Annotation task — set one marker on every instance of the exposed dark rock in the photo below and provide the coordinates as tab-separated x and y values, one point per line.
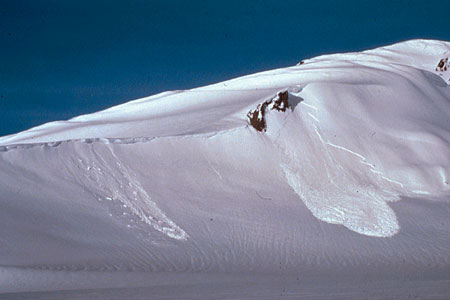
256	117
300	63
443	65
280	103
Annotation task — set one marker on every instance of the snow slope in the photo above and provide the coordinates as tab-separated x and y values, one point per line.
180	188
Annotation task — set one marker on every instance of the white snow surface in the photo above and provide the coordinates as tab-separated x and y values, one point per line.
180	183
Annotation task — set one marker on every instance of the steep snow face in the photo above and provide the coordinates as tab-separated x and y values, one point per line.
196	180
427	55
372	126
355	147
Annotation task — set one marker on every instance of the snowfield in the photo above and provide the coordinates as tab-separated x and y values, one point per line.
325	180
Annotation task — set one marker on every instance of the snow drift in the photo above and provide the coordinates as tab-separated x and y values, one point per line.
247	176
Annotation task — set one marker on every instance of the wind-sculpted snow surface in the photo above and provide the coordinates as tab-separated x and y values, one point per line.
239	189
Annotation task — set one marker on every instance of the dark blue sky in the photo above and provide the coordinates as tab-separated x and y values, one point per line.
59	59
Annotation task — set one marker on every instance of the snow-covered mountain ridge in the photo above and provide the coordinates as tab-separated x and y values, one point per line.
243	175
137	118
